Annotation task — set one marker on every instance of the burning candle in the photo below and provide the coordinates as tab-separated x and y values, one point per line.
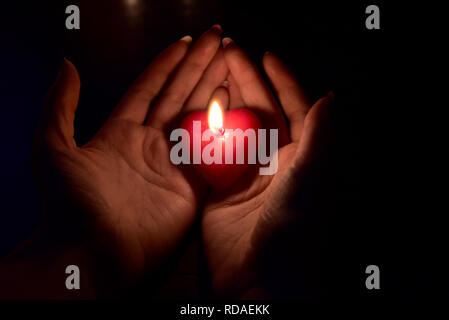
215	118
221	145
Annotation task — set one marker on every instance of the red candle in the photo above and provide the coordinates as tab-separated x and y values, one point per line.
221	175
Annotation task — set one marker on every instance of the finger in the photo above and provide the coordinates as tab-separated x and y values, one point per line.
56	124
221	96
315	135
185	79
213	77
235	98
136	102
292	97
254	91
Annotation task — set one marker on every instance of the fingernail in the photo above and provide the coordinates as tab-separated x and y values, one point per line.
217	28
187	39
266	53
225	84
226	41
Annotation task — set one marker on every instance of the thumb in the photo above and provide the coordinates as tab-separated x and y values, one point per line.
56	128
315	138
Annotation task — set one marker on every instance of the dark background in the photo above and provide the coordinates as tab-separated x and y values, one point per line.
328	47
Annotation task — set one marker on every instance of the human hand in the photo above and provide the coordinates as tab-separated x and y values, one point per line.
136	205
248	228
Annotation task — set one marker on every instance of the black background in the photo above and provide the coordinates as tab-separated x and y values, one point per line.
378	220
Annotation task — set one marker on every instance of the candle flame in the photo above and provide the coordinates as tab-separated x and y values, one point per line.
215	117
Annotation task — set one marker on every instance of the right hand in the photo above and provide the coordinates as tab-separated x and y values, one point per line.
254	230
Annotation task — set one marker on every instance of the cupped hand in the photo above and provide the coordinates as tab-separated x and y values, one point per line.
135	203
242	227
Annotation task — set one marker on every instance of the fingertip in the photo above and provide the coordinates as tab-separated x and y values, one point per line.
225	84
211	39
60	105
182	46
322	106
269	54
66	61
270	62
231	46
232	52
221	95
68	65
186	39
215	32
323	101
67	74
217	28
226	41
266	61
173	54
275	70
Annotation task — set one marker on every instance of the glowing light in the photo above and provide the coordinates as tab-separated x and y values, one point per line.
132	3
215	118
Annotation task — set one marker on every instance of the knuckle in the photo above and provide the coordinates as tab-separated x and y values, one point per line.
194	66
141	93
173	98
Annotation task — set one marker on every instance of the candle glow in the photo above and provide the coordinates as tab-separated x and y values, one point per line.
215	118
221	149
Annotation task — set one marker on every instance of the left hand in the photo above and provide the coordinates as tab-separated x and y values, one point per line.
240	223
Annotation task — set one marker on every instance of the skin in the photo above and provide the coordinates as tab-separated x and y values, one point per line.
238	224
136	204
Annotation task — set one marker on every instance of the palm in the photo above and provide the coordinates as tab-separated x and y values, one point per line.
232	217
130	188
137	204
237	223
